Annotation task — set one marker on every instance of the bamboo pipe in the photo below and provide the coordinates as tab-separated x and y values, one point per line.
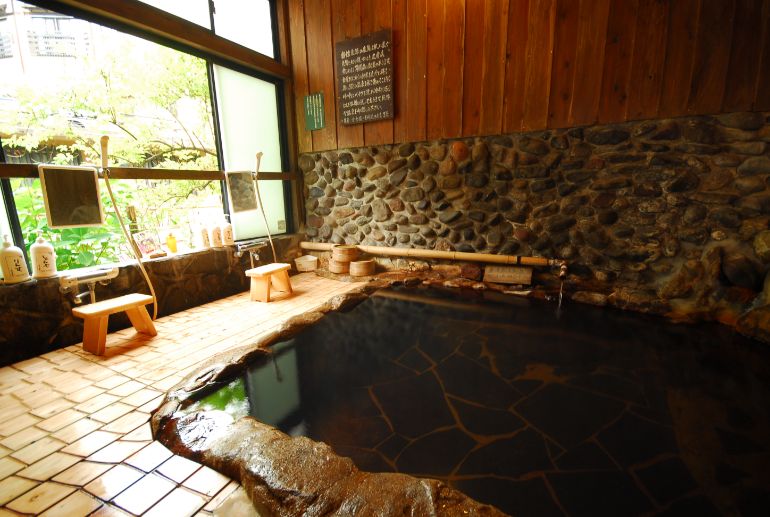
442	255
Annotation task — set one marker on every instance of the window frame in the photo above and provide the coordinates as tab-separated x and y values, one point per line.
153	24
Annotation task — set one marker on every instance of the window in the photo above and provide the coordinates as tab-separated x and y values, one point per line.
79	80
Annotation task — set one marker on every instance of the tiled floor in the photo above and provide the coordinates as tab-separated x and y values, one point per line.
75	434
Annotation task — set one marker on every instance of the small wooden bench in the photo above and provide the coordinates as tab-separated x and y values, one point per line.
262	276
96	315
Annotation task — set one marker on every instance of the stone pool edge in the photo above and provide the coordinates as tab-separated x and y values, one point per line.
286	475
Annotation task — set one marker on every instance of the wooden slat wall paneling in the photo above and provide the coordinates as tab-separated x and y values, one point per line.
416	41
762	101
375	16
515	65
299	66
618	52
400	80
592	34
539	59
454	49
435	69
346	24
740	89
493	69
680	57
563	71
712	48
474	65
649	59
320	57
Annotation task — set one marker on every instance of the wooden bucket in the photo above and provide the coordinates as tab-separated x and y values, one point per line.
339	267
362	267
344	253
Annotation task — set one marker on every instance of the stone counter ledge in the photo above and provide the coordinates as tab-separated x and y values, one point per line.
292	476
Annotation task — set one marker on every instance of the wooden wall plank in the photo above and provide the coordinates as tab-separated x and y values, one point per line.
618	53
299	70
435	70
563	71
416	26
375	16
680	57
493	69
539	58
454	49
474	51
740	89
320	56
649	60
762	100
712	48
401	98
589	59
346	24
515	65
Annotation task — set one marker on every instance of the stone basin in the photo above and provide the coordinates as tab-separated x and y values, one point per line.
410	401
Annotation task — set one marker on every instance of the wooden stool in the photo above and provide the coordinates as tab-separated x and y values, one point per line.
95	316
263	276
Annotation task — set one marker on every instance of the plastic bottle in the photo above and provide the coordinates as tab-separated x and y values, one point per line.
171	242
227	233
216	236
12	262
43	258
205	242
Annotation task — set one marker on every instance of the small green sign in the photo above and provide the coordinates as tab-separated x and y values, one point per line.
314	111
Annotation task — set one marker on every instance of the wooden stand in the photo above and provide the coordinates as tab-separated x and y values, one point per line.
96	316
263	276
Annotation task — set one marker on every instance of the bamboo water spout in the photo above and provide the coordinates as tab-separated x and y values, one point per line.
489	258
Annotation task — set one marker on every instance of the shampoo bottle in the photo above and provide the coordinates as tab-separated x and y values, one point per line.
216	236
227	233
12	262
43	258
204	233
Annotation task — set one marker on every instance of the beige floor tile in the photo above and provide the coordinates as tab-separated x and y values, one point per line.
11	425
82	473
96	403
116	452
38	450
77	430
110	511
109	383
48	467
152	405
12	487
84	394
178	468
207	481
127	422
54	407
142	433
127	388
237	503
40	498
5	451
111	412
149	457
91	443
60	420
179	503
77	504
113	482
23	438
223	494
10	466
142	397
46	399
143	494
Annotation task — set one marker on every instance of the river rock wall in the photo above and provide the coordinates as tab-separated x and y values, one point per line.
667	216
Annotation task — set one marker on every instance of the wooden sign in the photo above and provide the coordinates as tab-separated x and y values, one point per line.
508	275
365	78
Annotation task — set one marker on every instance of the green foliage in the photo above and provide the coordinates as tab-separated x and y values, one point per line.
153	103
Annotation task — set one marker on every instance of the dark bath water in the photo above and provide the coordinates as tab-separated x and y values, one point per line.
597	412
